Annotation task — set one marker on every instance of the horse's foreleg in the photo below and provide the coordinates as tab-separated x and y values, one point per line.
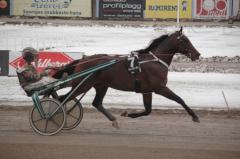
166	92
147	101
97	103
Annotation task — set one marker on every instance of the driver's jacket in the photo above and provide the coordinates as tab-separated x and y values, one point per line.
28	74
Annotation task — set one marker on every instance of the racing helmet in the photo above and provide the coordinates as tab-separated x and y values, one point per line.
29	54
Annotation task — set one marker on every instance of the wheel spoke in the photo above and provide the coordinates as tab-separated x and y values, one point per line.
34	121
54	113
45	130
54	122
66	121
49	108
72	116
68	111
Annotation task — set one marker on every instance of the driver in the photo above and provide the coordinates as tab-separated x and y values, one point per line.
30	77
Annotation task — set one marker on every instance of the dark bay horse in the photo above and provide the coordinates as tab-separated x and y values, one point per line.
154	62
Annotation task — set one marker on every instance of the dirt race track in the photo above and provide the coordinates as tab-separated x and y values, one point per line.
160	135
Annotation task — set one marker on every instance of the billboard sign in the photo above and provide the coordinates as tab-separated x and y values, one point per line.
165	9
121	8
4	7
54	59
56	8
211	9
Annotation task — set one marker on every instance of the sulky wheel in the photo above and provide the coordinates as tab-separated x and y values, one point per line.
53	120
74	114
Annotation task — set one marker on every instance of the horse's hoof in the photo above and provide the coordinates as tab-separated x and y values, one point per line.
125	114
196	119
115	124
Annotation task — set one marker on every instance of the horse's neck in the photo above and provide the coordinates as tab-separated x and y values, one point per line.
165	54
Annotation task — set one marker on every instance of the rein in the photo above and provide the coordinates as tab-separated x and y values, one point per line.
84	62
122	57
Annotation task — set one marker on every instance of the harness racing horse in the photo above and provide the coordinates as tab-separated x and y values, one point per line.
154	61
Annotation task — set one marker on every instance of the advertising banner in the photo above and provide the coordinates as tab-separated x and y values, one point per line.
235	5
213	9
165	9
121	8
4	58
4	7
54	59
56	8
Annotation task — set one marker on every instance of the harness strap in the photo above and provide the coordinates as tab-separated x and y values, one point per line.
159	60
155	59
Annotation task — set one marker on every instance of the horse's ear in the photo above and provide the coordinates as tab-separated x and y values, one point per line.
181	29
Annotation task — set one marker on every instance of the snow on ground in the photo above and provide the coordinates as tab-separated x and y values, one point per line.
197	89
210	41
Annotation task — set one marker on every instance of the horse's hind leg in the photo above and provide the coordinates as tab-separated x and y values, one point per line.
166	92
147	101
97	103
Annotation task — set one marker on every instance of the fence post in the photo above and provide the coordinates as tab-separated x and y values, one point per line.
226	102
178	13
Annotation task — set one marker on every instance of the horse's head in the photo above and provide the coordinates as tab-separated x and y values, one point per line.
184	45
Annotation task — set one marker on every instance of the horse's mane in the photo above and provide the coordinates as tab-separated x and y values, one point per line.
153	44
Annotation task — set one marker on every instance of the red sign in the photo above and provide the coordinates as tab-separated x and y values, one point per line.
3	4
4	7
54	59
211	8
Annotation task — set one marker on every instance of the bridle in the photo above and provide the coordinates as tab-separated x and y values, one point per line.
181	43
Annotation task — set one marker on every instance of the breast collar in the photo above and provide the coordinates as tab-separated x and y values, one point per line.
155	59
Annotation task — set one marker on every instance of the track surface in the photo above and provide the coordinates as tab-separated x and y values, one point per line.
160	135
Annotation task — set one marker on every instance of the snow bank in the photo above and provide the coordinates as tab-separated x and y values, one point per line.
197	89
